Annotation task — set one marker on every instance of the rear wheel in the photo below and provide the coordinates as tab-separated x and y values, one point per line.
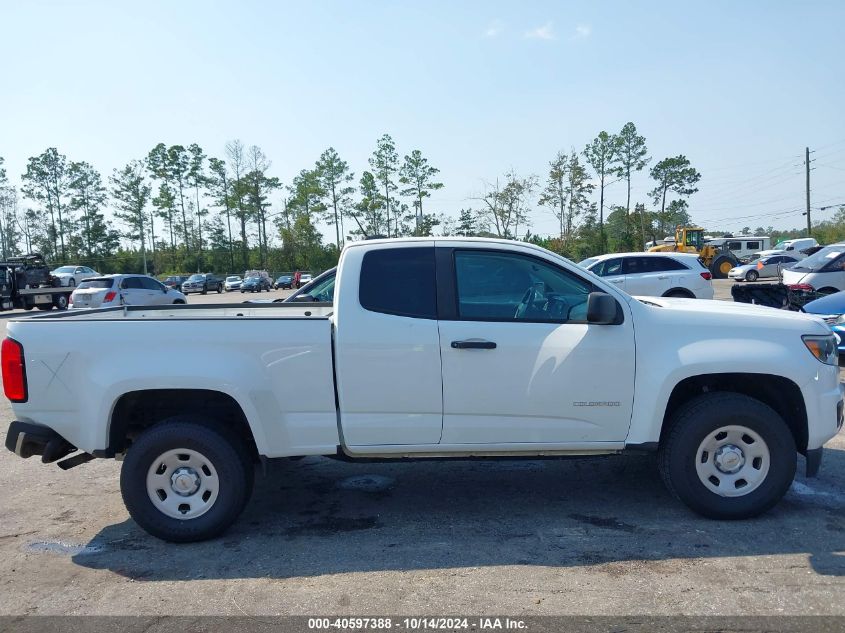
72	282
186	479
680	294
60	301
751	275
721	266
827	291
727	456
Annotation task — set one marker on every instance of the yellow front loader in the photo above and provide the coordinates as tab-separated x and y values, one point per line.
690	239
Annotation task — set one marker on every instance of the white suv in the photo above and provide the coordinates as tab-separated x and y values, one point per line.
654	274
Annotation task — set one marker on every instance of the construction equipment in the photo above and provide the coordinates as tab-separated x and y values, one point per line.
690	239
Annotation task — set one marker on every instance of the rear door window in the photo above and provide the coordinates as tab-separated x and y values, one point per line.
399	281
660	264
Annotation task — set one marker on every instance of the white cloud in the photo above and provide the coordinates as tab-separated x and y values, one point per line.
494	29
544	32
582	31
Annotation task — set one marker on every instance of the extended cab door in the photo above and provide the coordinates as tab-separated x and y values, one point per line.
520	362
387	349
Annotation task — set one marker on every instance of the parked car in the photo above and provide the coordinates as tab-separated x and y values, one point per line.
202	282
233	282
832	309
284	281
320	289
443	347
175	281
654	274
256	283
304	278
762	268
130	290
824	271
72	275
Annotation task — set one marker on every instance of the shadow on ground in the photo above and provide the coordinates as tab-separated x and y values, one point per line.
318	516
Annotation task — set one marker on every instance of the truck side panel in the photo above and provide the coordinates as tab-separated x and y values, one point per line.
278	371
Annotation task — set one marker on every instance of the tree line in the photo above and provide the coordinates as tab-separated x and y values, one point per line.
177	209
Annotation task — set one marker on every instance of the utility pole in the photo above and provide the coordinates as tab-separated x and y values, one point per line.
807	165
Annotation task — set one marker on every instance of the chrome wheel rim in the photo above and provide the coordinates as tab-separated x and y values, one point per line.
732	461
182	484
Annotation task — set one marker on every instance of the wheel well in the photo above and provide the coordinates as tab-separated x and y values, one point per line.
679	291
781	394
139	410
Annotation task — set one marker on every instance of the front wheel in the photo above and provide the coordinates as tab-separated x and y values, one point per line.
204	290
71	282
751	275
219	289
186	479
728	456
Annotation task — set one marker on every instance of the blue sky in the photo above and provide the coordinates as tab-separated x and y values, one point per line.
740	88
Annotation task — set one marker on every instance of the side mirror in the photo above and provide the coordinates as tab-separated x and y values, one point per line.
306	298
602	309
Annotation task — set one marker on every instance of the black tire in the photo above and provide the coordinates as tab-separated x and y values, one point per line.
226	453
178	302
71	282
60	301
719	264
243	291
219	288
828	291
752	275
698	419
679	294
205	290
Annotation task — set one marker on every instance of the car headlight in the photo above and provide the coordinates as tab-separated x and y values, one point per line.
839	320
823	348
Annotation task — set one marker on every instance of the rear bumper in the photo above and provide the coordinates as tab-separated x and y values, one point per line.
25	439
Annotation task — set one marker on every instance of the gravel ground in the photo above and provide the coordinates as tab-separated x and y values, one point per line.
589	536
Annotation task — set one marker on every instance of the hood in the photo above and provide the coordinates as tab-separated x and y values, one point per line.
831	304
704	313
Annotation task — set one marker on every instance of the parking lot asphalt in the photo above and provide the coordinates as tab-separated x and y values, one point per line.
596	536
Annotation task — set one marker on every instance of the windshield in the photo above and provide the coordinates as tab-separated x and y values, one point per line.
195	278
64	269
233	278
780	246
95	283
588	262
825	257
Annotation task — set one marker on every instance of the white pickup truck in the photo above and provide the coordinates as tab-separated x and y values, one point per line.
431	348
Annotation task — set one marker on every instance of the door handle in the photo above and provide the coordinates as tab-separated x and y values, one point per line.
476	344
663	276
616	281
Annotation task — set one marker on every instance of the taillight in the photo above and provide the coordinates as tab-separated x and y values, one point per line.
110	295
14	371
706	276
70	300
799	287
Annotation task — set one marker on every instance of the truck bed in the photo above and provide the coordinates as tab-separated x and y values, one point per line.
205	312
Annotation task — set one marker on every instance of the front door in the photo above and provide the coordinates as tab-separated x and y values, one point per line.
520	362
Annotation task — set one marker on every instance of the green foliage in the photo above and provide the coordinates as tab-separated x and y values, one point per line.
675	175
334	176
419	180
385	164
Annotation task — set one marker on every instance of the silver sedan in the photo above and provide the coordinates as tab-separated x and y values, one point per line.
762	268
